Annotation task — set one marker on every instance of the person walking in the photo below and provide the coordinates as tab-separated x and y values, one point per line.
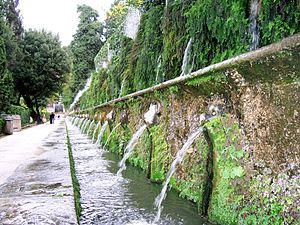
52	116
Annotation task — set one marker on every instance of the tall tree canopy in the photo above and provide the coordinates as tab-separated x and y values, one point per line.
44	68
10	31
5	76
85	46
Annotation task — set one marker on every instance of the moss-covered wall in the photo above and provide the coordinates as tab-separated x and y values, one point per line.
244	169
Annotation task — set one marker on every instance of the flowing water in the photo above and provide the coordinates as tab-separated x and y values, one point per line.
76	121
109	136
103	128
95	131
80	93
83	129
253	24
158	70
178	159
128	199
132	22
122	87
129	148
82	122
186	58
90	127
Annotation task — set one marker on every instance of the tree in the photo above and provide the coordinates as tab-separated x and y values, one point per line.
12	16
85	46
6	84
12	35
44	67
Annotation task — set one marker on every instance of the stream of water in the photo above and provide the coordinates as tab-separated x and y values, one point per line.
128	199
103	128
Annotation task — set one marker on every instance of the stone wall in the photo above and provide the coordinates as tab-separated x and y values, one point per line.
245	168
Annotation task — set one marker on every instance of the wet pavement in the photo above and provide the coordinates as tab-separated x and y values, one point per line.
40	190
21	146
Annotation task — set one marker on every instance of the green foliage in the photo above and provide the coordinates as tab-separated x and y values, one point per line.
87	42
43	70
8	9
140	155
6	84
23	112
6	90
210	84
175	37
2	124
211	24
278	19
119	139
115	18
146	51
157	52
269	200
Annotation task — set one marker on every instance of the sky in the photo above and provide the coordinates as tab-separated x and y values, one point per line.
58	16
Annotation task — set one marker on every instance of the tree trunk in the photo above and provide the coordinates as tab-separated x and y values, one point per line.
38	118
30	105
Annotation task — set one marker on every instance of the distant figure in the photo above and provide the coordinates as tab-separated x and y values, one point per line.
52	115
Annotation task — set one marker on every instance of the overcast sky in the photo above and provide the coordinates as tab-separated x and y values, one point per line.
58	16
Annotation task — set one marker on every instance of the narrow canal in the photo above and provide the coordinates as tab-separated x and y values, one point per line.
128	199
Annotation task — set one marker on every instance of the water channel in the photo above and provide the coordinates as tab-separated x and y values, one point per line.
128	199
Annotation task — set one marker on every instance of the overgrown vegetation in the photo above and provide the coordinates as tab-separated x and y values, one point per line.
157	52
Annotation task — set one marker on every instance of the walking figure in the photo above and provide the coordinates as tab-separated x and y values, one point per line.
52	115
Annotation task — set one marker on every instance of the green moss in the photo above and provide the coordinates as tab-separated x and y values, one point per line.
119	139
210	84
191	185
76	186
270	200
140	155
228	169
161	156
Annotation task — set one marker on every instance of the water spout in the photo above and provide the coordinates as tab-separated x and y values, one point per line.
129	148
110	115
82	122
90	127
103	128
150	115
178	159
75	122
80	93
95	131
111	134
83	128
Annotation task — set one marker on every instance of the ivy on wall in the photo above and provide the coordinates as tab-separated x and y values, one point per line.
219	29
